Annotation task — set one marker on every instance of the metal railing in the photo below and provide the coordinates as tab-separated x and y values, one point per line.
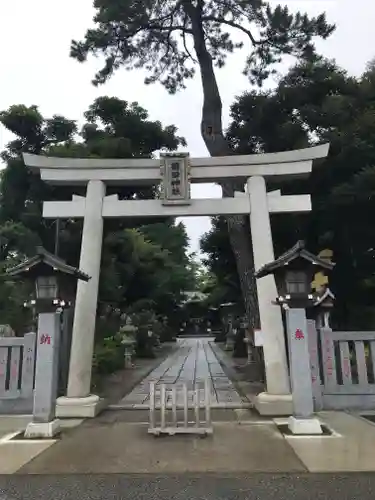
167	402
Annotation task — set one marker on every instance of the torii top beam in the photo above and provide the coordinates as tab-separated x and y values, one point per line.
76	171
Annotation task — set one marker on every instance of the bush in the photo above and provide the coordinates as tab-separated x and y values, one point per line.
109	355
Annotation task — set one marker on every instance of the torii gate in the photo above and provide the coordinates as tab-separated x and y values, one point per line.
175	171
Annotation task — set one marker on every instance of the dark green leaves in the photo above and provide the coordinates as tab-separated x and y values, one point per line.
164	36
318	101
148	263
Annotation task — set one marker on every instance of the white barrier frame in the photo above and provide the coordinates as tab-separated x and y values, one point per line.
198	426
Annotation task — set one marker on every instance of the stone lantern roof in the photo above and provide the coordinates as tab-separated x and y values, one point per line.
298	251
43	262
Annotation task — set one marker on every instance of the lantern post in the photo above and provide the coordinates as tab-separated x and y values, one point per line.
294	271
54	280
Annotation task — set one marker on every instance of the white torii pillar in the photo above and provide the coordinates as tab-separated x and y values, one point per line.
78	401
278	399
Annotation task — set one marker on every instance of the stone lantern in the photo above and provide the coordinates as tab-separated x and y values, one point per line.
128	332
293	273
54	281
228	313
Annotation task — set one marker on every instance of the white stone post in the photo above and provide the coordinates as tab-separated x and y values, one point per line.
44	424
79	402
277	400
303	420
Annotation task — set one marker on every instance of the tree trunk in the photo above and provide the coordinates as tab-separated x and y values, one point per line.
213	136
239	236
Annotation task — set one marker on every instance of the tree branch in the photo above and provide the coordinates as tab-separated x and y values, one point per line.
170	14
158	27
220	20
184	41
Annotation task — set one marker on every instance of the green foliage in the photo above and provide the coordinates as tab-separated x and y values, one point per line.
108	356
161	36
317	102
143	261
15	237
221	264
33	132
144	273
12	310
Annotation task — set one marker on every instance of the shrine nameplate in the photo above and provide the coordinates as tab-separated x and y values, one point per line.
175	179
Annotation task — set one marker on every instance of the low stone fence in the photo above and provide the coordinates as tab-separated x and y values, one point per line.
17	373
342	368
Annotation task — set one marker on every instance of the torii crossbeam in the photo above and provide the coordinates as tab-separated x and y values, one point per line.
175	172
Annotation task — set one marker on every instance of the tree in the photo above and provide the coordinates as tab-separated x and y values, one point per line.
220	262
142	259
140	269
319	102
170	38
21	192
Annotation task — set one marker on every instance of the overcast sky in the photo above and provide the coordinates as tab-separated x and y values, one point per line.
36	69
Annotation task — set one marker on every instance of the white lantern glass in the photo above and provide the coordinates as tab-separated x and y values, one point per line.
46	287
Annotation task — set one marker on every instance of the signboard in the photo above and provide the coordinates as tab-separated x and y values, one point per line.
175	178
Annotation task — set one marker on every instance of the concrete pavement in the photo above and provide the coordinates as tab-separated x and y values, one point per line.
124	447
15	453
189	487
111	444
117	442
351	448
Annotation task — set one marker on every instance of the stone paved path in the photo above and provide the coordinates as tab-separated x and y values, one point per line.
193	362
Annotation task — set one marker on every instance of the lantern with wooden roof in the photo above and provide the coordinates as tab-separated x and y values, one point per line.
54	279
294	271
